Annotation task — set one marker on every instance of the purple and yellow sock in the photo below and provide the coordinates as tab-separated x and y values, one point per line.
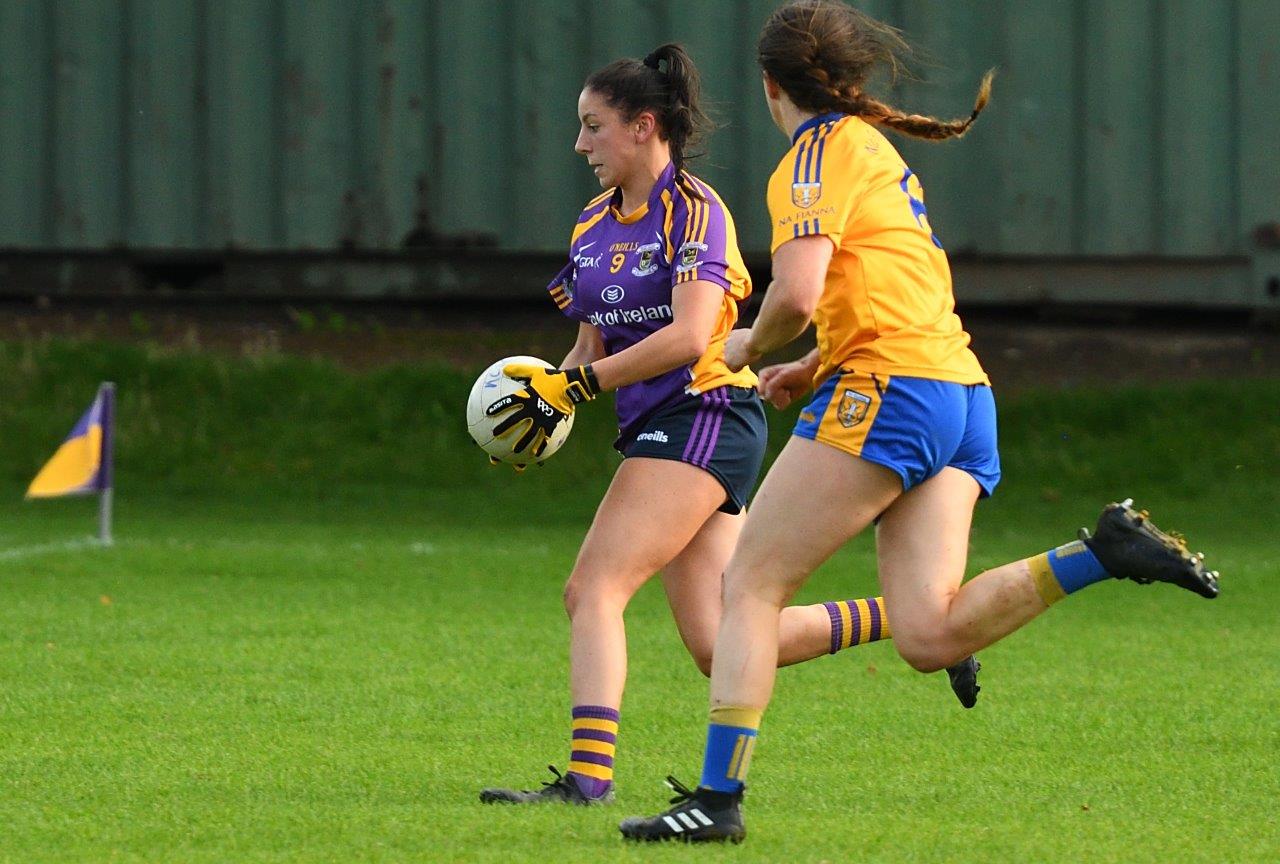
731	739
856	622
1064	571
595	737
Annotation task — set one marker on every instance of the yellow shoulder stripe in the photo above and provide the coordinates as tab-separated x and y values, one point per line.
582	227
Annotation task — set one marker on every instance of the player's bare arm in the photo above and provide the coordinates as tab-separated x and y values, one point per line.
694	308
799	273
588	348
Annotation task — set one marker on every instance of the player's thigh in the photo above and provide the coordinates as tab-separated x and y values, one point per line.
922	544
651	511
694	583
812	501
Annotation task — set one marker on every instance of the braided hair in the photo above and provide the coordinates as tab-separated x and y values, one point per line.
821	52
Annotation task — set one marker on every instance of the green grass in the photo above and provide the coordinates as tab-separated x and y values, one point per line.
327	623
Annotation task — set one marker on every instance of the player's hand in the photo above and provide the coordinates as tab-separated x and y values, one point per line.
548	398
562	389
531	417
784	383
737	349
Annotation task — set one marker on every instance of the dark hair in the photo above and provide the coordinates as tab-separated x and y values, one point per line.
821	52
673	94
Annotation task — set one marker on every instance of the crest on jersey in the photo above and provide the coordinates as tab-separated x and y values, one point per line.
570	285
853	408
648	262
805	194
688	256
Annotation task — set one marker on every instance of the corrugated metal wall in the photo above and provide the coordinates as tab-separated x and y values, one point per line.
1118	127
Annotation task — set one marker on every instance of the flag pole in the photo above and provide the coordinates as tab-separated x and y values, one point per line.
107	463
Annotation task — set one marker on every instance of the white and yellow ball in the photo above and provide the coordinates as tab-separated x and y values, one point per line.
491	386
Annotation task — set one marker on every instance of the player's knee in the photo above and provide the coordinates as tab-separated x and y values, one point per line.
922	654
747	588
584	591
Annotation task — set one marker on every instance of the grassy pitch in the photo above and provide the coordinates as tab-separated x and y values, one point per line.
327	623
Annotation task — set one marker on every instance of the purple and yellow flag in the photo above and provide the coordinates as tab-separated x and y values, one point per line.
82	464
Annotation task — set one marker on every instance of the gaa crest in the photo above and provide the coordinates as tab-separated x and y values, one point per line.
805	194
648	259
853	408
687	258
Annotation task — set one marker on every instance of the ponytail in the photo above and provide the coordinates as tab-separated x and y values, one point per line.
920	125
667	83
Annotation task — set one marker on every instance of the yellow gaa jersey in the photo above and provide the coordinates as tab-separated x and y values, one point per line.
622	271
887	306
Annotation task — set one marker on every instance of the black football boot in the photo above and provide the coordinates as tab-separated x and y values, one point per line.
699	816
561	790
1129	547
964	680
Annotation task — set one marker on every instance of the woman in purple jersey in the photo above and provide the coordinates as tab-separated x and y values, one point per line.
655	280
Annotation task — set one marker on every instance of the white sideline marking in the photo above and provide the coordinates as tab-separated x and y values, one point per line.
415	548
44	548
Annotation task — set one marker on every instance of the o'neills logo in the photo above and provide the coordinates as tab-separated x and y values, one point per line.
614	317
657	436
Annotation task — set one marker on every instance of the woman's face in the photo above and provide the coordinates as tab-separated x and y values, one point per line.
605	139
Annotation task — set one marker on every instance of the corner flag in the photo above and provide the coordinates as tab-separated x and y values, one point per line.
83	464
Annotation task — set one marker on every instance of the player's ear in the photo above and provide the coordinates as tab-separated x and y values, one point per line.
771	88
644	126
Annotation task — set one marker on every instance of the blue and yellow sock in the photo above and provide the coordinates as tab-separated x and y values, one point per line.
1064	571
856	622
731	738
595	738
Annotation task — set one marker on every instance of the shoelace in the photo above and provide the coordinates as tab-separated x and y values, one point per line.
683	792
561	781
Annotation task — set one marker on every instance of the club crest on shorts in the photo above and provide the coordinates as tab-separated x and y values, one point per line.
648	262
805	194
853	408
687	257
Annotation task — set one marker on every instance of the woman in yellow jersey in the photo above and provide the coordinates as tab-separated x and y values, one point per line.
901	429
654	280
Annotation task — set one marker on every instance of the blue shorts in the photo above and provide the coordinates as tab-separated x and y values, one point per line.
914	426
722	431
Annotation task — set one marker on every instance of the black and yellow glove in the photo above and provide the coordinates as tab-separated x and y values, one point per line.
562	389
549	396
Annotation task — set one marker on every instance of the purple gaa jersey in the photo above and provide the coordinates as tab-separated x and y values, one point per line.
622	270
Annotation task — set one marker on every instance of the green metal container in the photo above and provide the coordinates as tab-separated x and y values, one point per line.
1142	129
